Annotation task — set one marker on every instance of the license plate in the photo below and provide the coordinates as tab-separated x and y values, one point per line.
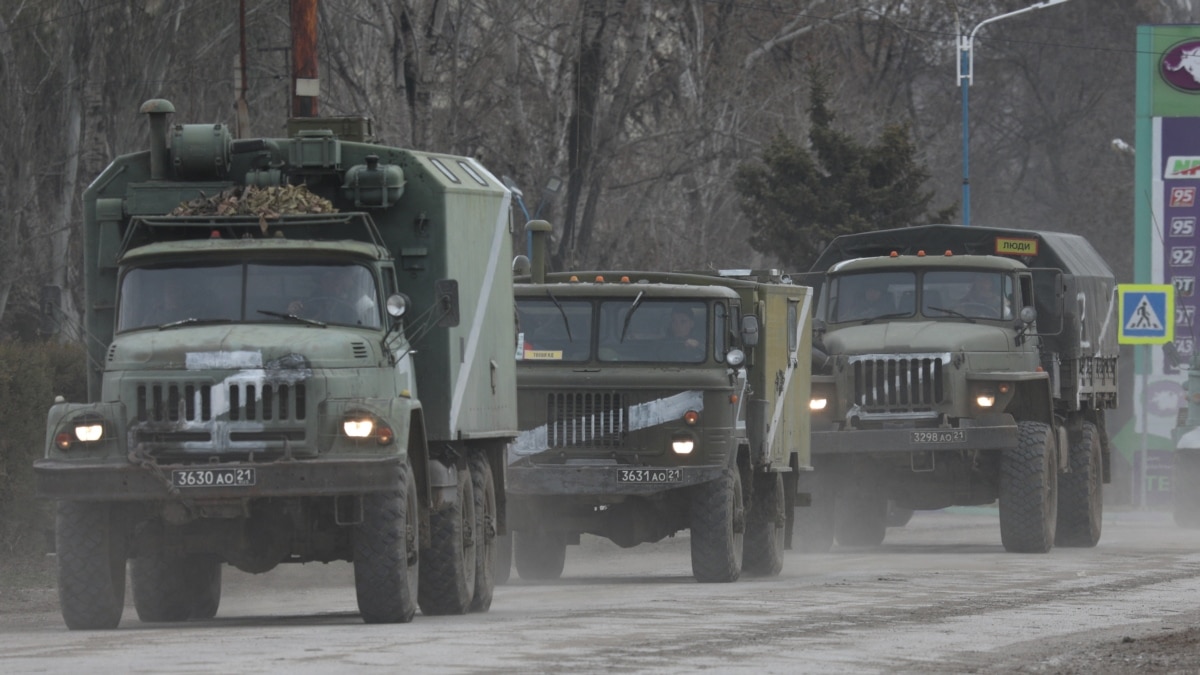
649	475
936	437
185	478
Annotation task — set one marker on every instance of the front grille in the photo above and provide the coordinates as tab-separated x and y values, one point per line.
585	419
248	402
898	384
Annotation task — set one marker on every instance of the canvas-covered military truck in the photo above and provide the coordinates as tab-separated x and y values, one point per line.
300	350
957	366
652	403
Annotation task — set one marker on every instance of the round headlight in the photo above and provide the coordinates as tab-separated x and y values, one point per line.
683	447
358	428
818	403
89	432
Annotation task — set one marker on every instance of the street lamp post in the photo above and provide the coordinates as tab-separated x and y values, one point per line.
966	75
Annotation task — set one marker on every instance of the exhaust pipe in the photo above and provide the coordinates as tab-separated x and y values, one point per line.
158	109
539	231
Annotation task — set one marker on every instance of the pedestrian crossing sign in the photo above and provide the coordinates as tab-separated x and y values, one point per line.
1147	314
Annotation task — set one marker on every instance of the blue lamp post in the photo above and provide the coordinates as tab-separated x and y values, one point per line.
966	75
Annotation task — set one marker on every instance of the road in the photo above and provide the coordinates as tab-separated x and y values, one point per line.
939	596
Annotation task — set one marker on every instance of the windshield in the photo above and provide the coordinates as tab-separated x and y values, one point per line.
860	297
252	293
969	293
554	332
974	294
628	330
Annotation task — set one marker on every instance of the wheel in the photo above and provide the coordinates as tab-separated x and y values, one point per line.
718	524
540	556
1029	491
485	533
860	518
175	588
763	547
814	523
448	564
897	516
1185	489
1080	493
386	559
206	586
90	547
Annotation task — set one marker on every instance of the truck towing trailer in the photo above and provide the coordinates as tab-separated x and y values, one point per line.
300	350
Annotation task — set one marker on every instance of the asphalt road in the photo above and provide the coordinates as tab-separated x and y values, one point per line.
940	595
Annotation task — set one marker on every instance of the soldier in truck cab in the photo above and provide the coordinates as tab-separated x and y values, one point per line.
984	299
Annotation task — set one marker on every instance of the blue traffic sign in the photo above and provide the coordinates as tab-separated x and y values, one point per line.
1147	314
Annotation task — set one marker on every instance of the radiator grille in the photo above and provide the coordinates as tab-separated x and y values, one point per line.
585	419
912	384
192	402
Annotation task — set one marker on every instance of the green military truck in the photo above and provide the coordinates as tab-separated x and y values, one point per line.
957	366
300	350
651	403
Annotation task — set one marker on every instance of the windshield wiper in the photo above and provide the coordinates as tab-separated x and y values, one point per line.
952	312
292	317
629	315
566	321
892	315
190	321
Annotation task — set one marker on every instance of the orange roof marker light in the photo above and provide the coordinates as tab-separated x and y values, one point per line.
574	279
921	254
599	279
894	254
625	279
948	253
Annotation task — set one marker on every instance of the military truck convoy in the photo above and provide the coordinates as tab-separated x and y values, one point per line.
654	402
300	350
957	366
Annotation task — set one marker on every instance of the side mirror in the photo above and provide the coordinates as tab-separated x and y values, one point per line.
750	330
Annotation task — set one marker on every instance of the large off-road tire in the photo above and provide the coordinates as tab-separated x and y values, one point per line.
90	546
1185	488
386	559
762	553
1029	491
860	518
718	525
814	523
485	533
206	586
175	588
540	556
504	558
897	516
448	564
1080	493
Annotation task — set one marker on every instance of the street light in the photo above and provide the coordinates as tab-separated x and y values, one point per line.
966	71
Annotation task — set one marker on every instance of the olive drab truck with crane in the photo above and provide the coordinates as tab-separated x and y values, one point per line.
300	350
959	366
654	402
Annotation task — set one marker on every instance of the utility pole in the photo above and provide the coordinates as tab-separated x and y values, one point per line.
239	76
305	84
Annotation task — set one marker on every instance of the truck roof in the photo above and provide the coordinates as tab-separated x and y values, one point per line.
926	261
609	288
1070	253
256	247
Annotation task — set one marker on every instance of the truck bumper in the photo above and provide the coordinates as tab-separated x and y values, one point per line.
994	434
107	481
604	479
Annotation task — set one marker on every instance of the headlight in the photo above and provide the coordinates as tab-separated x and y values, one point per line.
89	432
358	428
683	447
985	400
817	403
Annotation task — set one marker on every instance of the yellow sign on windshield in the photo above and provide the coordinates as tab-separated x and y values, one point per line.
543	355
